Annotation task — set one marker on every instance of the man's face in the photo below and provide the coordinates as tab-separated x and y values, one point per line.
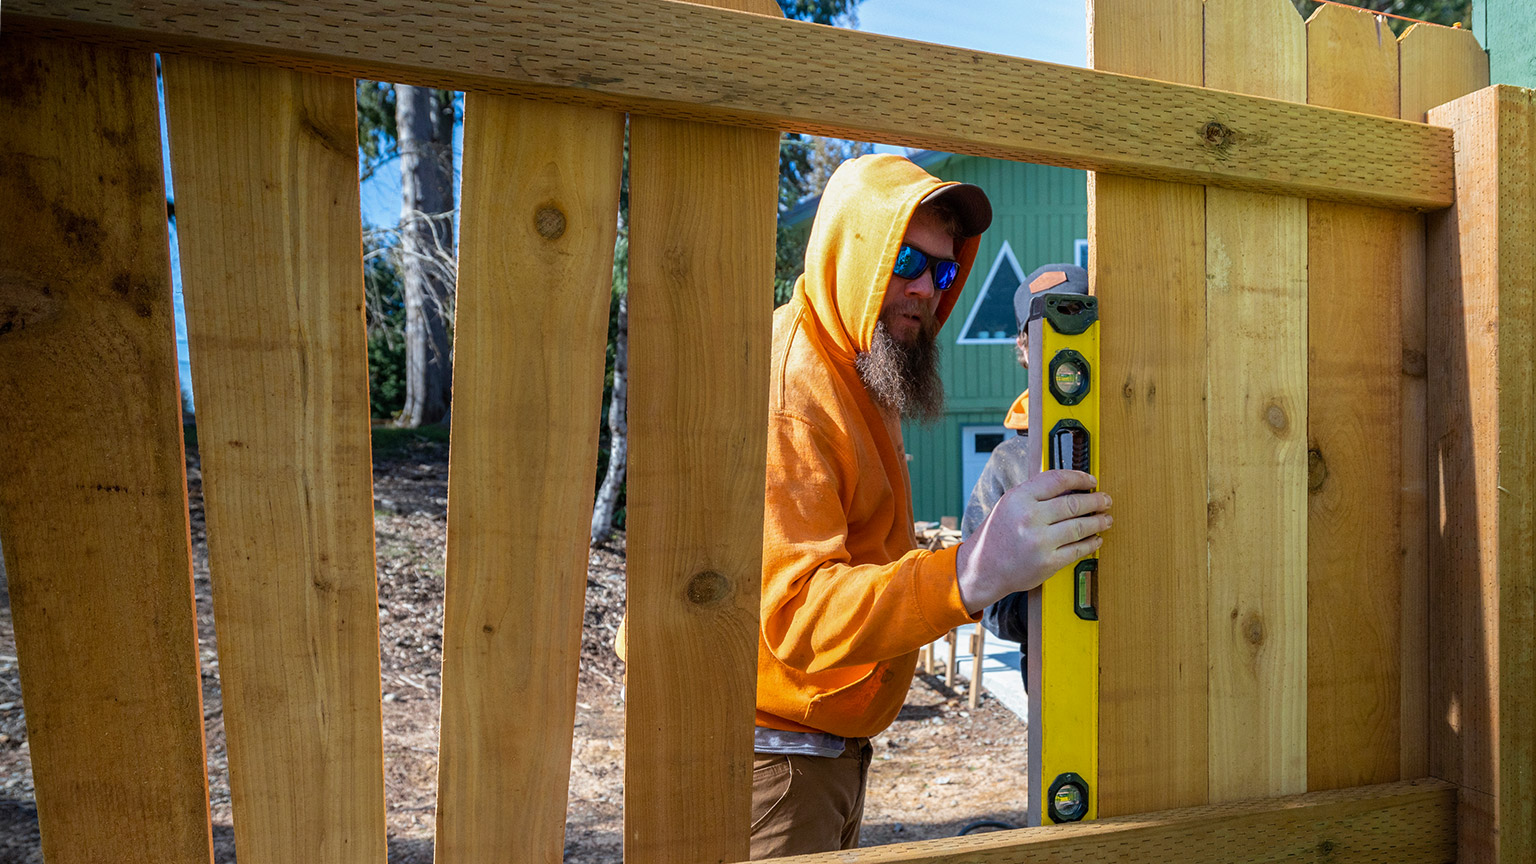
901	368
911	306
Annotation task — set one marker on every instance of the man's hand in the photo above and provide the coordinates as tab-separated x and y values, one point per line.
1037	528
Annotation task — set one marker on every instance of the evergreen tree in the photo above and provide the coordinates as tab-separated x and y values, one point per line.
1447	12
414	126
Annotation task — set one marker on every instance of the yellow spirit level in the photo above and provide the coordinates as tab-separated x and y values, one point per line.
1063	612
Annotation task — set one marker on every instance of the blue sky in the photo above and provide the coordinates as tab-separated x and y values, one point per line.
1055	31
1051	30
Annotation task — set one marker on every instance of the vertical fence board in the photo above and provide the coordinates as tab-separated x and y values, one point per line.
265	162
93	496
1147	264
701	259
541	199
700	270
1256	363
1482	277
1354	556
1436	65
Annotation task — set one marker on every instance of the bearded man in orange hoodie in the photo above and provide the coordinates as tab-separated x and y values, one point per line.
847	598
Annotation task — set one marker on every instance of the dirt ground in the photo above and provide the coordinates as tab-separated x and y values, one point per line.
937	769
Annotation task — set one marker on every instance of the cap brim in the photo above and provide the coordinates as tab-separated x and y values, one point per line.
970	204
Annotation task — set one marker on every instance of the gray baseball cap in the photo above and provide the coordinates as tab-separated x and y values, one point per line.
1049	279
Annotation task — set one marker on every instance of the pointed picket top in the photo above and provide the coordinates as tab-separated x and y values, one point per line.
1438	64
1351	61
1272	40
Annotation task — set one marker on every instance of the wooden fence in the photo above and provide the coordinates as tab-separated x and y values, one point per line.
1317	635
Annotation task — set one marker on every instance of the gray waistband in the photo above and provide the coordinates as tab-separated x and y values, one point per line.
765	740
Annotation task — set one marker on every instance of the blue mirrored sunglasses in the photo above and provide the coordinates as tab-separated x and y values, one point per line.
910	264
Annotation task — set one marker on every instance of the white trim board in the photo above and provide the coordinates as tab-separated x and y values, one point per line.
1006	252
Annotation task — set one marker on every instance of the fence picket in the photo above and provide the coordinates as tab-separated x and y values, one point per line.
701	261
541	198
1357	265
93	496
265	162
1436	65
1147	264
1256	368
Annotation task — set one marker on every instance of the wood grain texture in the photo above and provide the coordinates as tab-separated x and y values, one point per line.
701	257
93	496
1517	473
1147	265
1463	424
1354	534
1396	823
1256	367
541	199
269	227
1436	65
1482	399
677	60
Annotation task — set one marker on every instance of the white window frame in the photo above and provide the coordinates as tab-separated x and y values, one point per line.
986	286
1080	253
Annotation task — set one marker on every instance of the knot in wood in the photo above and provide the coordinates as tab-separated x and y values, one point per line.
707	588
1317	470
550	222
1217	134
1274	415
1253	629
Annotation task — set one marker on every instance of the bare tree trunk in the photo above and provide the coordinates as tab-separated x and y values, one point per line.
618	431
424	127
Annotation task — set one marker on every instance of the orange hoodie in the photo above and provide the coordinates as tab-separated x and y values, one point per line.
847	598
1018	413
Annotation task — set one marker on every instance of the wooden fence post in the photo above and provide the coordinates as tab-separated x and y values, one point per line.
1482	408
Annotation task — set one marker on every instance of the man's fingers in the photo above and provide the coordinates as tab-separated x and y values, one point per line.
1049	484
1081	549
1073	505
1069	531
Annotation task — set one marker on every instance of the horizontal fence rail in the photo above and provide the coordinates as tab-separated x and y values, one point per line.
698	63
1410	822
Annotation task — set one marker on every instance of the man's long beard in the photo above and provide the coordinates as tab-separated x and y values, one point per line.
904	378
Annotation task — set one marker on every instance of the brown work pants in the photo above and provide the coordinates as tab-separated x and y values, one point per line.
806	804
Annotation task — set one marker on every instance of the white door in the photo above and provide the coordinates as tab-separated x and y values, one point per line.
976	446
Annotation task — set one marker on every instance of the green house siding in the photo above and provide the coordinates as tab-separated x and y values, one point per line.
1041	212
1508	30
936	463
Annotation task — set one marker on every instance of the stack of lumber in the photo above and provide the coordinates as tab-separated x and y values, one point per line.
937	535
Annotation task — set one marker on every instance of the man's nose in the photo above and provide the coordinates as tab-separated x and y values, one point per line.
922	286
